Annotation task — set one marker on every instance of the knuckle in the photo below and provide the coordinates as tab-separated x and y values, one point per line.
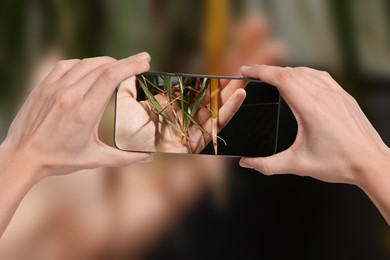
261	166
258	68
319	73
110	75
108	58
286	75
325	74
304	68
43	92
64	99
265	169
64	64
349	98
89	61
86	61
137	66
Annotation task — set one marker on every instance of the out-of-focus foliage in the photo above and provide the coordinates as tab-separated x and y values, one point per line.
351	35
351	38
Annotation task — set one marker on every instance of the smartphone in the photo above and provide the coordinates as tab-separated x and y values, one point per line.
173	113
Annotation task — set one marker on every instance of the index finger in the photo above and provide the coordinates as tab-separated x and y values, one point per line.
103	87
271	74
290	85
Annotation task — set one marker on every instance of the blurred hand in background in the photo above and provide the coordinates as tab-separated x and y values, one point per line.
140	128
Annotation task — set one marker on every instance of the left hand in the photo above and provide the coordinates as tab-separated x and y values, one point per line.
56	131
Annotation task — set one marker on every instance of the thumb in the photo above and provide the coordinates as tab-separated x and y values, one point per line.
276	164
112	157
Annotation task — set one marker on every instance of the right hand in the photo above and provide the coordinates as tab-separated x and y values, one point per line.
335	140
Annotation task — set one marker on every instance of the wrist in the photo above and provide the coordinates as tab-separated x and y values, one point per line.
18	175
374	180
373	168
19	164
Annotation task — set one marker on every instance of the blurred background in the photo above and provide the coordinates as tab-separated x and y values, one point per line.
197	207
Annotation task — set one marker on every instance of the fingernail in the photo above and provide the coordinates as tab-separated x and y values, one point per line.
143	56
245	68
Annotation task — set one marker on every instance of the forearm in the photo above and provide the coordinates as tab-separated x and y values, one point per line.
375	182
17	177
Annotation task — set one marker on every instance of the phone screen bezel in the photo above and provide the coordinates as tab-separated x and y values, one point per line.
154	73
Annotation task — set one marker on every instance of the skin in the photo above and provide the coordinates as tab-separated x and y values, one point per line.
122	221
56	130
335	141
138	128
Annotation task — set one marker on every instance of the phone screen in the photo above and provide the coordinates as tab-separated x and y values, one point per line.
173	113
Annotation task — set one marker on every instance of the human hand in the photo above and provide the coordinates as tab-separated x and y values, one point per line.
56	130
139	128
335	141
252	42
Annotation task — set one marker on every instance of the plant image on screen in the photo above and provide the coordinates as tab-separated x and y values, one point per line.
175	113
177	100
